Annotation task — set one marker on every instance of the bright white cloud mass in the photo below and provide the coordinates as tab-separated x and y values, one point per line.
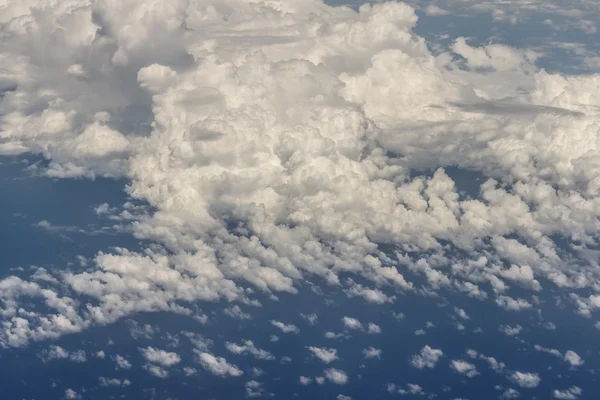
280	147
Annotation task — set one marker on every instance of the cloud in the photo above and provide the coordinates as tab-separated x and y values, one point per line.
427	358
156	370
351	323
285	328
372	352
373	328
236	312
510	330
508	303
59	353
571	393
434	11
275	160
464	368
336	376
525	379
162	357
324	354
217	365
122	362
573	358
312	319
248	346
113	382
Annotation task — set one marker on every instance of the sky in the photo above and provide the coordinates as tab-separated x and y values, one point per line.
231	199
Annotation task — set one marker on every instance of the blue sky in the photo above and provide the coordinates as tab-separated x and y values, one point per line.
292	199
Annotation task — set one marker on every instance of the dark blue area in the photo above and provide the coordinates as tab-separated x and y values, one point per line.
68	205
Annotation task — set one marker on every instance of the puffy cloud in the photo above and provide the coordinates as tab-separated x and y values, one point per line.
571	393
372	352
336	376
112	382
464	367
248	346
162	357
122	362
324	354
236	312
373	328
573	358
508	303
511	330
70	394
285	328
268	161
427	358
525	379
304	380
312	319
156	370
352	323
217	365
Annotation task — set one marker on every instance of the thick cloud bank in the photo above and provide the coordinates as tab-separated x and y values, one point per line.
280	142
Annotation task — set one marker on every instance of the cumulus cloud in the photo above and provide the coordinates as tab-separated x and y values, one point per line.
248	346
324	354
162	357
217	365
290	156
285	328
58	353
373	328
573	358
113	382
372	352
352	323
336	376
526	379
571	393
427	358
464	367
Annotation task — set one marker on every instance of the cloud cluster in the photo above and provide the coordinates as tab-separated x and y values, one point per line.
277	142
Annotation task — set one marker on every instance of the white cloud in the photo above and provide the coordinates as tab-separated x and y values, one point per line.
351	323
571	393
236	312
217	365
248	346
372	352
285	328
461	313
70	394
554	352
464	367
434	11
510	393
511	330
312	319
156	370
573	358
526	379
162	357
508	303
324	354
373	328
336	376
292	144
122	362
305	380
427	358
108	382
